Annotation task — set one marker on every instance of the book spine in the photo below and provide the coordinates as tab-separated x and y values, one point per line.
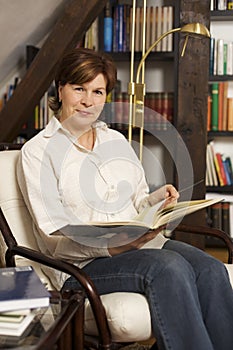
120	9
226	217
212	50
229	58
220	60
222	5
230	113
214	109
225	58
221	170
220	105
108	27
216	215
224	108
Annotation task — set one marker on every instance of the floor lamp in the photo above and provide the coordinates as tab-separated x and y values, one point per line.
137	89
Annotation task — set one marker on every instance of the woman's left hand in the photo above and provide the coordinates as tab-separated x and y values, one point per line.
168	193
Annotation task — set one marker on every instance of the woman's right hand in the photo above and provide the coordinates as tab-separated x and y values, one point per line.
121	243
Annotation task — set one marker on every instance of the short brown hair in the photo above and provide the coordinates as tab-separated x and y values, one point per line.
79	66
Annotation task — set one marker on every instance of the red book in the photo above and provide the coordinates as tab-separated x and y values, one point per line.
221	170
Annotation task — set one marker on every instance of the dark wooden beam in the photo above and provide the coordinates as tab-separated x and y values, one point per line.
192	104
69	29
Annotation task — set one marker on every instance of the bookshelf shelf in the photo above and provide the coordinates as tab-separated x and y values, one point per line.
226	15
153	56
220	78
220	189
213	134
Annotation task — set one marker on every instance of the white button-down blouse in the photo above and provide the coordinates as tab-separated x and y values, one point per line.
65	184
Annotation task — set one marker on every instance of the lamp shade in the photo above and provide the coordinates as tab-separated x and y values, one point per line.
195	28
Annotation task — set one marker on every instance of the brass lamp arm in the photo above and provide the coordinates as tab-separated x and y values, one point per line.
151	48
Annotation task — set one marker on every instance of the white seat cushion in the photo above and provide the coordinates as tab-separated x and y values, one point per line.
230	272
128	317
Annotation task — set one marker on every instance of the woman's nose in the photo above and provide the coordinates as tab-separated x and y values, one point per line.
86	100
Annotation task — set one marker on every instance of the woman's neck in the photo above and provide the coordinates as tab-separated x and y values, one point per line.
87	140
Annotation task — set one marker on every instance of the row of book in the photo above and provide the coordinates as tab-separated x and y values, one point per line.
21	293
219	216
221	5
158	110
221	57
118	27
218	167
220	106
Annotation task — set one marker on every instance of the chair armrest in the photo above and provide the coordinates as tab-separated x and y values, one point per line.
80	275
209	231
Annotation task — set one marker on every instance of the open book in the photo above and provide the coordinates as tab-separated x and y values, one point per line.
150	218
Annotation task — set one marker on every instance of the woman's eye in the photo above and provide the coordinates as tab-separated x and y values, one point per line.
98	92
78	88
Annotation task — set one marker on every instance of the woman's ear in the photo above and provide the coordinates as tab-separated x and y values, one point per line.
59	93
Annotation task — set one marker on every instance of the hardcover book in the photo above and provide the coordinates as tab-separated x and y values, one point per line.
15	323
150	218
21	288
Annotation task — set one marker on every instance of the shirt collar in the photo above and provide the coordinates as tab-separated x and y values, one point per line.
54	125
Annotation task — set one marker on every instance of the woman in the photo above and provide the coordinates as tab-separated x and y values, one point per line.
89	172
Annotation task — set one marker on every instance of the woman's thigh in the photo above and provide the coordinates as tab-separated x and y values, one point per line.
133	270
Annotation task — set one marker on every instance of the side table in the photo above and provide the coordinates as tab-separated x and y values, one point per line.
59	326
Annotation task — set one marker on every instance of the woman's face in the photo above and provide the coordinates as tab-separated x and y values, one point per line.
83	102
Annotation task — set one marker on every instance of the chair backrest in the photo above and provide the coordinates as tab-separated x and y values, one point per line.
15	210
12	203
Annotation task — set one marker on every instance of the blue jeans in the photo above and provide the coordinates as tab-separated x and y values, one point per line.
188	291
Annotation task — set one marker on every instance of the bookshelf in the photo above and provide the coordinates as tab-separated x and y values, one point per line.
222	136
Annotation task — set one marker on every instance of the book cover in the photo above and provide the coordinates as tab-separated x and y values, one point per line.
21	288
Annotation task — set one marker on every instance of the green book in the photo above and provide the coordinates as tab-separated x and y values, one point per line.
214	109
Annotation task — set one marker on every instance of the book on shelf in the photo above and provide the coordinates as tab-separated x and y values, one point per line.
21	288
214	108
108	27
159	19
230	113
219	106
15	323
218	167
221	53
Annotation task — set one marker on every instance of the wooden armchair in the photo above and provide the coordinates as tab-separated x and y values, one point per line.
111	320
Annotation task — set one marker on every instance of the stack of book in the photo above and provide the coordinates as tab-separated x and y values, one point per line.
21	291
